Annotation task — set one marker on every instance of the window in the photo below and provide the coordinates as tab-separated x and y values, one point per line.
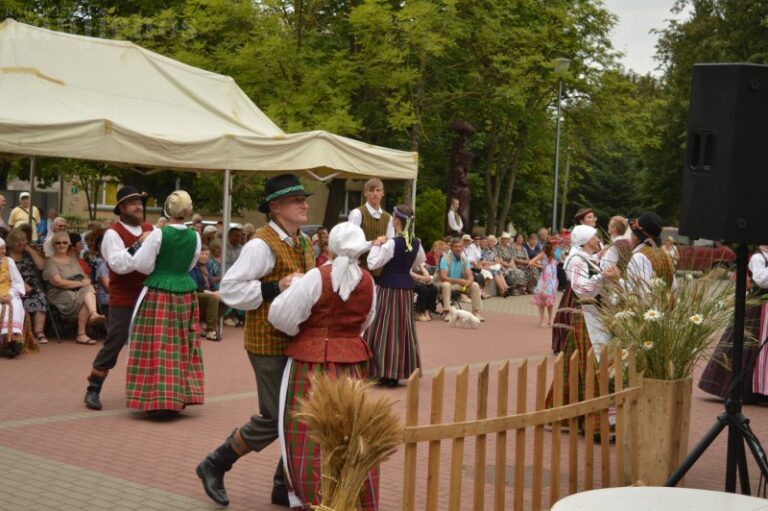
108	196
353	199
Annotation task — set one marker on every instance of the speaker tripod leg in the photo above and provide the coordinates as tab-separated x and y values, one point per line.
743	468
697	451
758	453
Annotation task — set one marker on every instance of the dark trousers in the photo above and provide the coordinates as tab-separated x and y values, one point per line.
261	430
118	324
426	298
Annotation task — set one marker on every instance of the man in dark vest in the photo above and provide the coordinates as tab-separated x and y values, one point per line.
371	217
275	255
120	242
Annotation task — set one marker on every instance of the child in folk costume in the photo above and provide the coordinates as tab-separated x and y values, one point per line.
327	310
392	335
546	287
717	376
165	365
11	307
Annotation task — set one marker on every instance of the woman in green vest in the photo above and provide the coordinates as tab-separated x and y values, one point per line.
165	365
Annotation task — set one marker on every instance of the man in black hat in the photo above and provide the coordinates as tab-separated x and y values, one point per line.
648	260
120	242
275	255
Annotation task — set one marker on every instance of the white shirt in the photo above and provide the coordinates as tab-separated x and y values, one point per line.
240	287
577	270
382	254
356	217
454	221
293	306
472	253
144	258
759	268
114	251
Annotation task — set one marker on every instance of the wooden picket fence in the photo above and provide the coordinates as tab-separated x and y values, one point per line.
513	427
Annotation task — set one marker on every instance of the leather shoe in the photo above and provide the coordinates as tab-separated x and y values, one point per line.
280	496
92	400
213	481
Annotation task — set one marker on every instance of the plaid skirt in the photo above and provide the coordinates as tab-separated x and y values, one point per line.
717	376
301	454
165	362
392	335
561	323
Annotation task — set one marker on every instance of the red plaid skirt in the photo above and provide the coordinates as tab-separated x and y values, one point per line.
303	461
561	324
165	363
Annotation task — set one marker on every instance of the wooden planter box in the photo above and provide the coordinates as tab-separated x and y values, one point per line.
664	419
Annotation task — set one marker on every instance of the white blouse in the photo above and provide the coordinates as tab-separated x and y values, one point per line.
114	251
759	268
17	282
577	270
382	254
241	285
293	306
144	258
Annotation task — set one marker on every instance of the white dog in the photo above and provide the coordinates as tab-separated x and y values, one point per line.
459	318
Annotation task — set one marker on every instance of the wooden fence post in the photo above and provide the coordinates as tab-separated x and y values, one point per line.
478	490
538	434
521	407
433	464
557	401
499	480
411	419
457	452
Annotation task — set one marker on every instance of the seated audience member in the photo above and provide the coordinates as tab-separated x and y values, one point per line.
320	237
69	290
456	275
161	222
209	233
30	264
215	249
99	270
76	251
426	293
323	256
532	247
211	306
490	261
514	276
248	230
59	224
435	253
522	261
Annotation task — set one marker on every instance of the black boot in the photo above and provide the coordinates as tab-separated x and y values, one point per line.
92	400
211	471
279	489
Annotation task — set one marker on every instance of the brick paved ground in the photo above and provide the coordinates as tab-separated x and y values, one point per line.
55	454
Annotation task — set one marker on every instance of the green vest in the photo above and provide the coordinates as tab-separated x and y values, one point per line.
173	261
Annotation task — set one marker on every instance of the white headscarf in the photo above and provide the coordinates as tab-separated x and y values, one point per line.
581	234
347	242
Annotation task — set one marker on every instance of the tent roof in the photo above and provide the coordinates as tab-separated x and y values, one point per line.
64	95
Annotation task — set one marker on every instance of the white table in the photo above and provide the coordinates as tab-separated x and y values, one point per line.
653	498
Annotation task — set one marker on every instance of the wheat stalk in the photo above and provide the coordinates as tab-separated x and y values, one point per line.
355	434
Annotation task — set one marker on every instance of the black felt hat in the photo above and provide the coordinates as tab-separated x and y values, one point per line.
647	225
284	185
126	193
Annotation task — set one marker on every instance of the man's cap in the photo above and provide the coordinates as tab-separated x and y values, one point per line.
466	237
284	185
23	195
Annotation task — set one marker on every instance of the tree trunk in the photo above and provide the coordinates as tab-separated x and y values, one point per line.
491	184
5	169
510	172
336	192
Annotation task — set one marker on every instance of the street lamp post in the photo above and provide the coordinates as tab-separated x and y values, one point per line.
561	65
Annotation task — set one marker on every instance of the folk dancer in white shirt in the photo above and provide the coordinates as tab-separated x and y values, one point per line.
587	282
120	242
326	311
275	255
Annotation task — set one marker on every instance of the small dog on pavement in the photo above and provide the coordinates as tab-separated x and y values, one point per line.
459	318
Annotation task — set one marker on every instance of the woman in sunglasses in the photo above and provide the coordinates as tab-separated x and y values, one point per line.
69	289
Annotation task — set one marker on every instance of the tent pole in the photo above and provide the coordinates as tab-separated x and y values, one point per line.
227	219
32	169
413	195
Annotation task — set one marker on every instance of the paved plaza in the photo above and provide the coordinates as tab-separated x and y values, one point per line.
57	455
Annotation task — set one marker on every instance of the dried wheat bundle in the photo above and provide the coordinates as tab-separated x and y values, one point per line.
355	433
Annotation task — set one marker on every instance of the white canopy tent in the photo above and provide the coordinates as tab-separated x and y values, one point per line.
70	96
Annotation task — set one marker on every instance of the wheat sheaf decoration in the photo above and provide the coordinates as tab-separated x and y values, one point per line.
355	432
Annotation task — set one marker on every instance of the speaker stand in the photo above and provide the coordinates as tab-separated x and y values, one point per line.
739	431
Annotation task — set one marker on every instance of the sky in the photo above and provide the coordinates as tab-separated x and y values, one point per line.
632	33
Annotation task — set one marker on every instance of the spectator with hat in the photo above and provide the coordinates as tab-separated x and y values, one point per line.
21	214
277	254
121	240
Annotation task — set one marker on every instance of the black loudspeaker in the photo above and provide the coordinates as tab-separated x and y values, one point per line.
725	179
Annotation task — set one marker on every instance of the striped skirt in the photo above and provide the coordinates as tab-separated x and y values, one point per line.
561	323
301	454
392	335
165	362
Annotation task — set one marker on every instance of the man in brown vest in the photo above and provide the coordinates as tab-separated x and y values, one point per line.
371	217
275	255
120	242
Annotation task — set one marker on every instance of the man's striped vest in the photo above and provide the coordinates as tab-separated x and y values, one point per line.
662	263
261	338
